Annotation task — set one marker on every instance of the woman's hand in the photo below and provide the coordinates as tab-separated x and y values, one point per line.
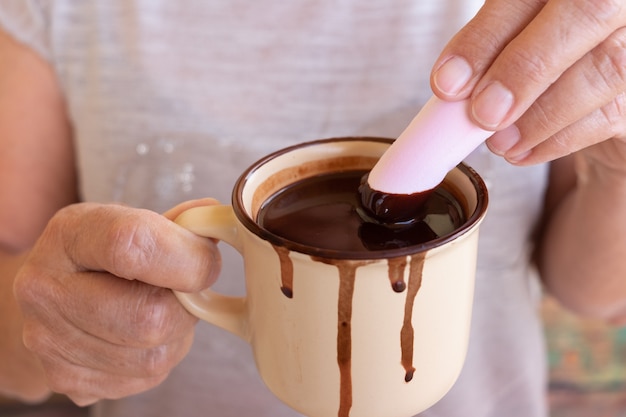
549	76
97	301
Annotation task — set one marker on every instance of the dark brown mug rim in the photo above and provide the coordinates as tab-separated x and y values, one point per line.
249	223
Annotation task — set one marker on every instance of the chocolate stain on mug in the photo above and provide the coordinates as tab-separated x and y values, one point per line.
407	338
347	281
286	270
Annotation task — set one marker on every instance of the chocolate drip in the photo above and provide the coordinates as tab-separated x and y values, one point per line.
407	333
347	273
286	270
396	273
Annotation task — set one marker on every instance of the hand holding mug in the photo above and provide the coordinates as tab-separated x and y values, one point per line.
95	293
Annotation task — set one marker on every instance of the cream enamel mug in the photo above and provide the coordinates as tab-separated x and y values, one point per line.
329	334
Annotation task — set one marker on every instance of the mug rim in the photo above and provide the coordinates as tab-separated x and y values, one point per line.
482	200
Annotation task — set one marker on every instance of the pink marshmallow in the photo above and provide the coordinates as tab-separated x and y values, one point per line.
436	140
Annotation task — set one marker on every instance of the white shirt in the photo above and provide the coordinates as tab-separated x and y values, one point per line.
172	100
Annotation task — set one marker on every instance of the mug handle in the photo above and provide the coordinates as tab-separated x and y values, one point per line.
219	222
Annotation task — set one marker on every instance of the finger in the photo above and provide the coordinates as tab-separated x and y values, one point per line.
129	313
129	243
561	34
468	55
608	122
590	84
177	210
64	345
86	386
119	311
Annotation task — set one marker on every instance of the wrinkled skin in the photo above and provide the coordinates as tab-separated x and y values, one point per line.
549	75
95	294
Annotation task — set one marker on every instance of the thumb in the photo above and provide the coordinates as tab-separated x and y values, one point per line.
468	55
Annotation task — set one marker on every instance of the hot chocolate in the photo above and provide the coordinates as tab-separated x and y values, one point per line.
325	211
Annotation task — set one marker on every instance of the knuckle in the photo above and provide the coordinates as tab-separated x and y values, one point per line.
534	67
543	117
153	319
603	11
620	106
36	292
55	234
160	360
615	114
157	361
64	221
563	144
34	338
58	220
53	350
480	37
207	267
609	60
133	246
23	289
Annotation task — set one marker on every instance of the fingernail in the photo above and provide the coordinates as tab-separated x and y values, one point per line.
500	142
492	105
452	76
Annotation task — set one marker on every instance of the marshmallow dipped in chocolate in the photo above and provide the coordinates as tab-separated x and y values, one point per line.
389	209
437	139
